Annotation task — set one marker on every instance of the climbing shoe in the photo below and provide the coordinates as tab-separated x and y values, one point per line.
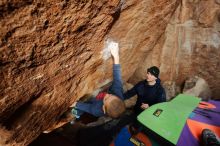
74	111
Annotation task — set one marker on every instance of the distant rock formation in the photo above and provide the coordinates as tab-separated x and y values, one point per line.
171	89
189	46
198	87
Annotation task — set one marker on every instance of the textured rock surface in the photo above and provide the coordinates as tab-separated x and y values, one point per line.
198	87
131	101
140	26
51	53
190	46
171	89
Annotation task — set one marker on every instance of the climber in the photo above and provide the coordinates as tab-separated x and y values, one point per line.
110	103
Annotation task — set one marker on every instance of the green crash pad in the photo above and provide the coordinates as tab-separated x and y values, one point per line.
167	119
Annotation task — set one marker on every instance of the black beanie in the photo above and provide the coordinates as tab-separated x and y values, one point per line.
154	71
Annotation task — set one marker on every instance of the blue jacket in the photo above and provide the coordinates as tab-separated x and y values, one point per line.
150	94
94	106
